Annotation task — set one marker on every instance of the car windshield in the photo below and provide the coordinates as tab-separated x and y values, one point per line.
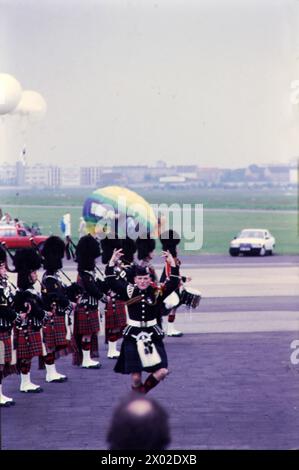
251	234
7	232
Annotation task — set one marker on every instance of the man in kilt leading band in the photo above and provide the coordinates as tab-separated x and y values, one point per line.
142	348
7	318
28	334
86	322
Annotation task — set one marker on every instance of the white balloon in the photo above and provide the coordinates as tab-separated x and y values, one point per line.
32	104
10	93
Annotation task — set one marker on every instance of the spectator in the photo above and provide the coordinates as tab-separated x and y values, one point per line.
139	423
6	218
35	229
17	223
82	228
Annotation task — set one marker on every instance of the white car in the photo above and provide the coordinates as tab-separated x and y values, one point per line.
255	241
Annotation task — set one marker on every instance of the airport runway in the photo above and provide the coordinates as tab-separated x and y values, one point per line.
232	384
253	292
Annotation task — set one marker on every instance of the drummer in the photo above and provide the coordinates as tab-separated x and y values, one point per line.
170	240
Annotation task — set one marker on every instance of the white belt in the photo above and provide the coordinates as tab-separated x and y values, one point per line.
142	324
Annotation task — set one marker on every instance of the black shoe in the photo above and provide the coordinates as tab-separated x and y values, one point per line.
56	380
37	390
97	366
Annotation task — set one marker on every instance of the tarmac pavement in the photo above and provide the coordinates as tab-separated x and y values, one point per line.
232	384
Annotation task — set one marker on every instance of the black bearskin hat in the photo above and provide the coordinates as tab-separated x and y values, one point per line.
25	261
2	255
129	248
141	270
53	253
88	249
145	247
169	240
108	245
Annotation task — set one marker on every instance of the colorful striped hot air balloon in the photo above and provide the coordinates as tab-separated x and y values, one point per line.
114	209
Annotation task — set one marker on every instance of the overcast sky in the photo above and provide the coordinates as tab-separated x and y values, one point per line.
136	81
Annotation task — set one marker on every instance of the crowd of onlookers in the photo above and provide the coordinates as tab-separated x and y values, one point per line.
7	219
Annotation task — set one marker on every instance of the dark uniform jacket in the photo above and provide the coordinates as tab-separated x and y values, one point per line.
7	313
143	305
92	287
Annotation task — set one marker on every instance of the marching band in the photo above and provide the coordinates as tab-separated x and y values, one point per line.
62	317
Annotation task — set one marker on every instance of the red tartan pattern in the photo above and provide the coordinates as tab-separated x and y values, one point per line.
60	331
171	316
86	323
5	337
8	369
30	349
115	317
54	336
49	337
62	351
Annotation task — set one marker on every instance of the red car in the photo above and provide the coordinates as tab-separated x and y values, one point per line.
19	237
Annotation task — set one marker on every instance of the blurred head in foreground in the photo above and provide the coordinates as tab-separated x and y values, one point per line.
139	423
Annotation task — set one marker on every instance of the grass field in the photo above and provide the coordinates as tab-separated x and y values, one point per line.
271	199
219	226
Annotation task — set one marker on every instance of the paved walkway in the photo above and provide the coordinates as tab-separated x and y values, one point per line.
226	390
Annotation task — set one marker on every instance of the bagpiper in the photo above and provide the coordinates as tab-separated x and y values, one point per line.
28	302
115	309
86	319
58	298
7	319
142	348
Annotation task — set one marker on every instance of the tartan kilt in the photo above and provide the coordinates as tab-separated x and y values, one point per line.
116	318
86	322
54	336
32	348
48	337
60	331
129	361
5	348
8	369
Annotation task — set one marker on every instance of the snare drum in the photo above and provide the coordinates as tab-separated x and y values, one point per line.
190	297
